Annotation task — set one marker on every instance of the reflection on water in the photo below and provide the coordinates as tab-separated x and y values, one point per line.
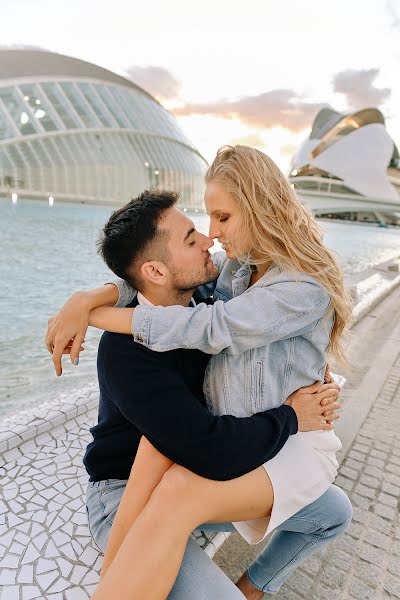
48	252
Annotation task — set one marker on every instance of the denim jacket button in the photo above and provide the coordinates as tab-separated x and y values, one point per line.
138	338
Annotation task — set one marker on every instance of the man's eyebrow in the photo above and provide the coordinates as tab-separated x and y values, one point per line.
188	233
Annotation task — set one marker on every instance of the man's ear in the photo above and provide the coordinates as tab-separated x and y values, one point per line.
155	272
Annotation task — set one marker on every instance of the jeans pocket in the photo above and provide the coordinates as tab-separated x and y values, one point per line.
112	485
110	497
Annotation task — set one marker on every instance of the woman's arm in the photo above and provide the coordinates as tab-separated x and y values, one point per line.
116	320
261	315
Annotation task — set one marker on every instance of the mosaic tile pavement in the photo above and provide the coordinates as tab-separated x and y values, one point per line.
46	550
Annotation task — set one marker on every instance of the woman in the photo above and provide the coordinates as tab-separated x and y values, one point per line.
283	309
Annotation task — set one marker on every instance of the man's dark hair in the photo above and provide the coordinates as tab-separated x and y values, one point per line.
132	230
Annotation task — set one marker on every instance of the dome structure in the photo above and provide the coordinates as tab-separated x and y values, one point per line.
349	154
75	131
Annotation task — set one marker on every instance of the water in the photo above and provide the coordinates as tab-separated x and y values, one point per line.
46	253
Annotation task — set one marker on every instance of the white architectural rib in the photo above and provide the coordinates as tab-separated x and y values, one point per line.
360	159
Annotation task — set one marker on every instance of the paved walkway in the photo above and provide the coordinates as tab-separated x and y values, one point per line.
365	563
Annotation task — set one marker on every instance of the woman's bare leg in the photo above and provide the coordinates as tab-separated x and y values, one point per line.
146	473
149	559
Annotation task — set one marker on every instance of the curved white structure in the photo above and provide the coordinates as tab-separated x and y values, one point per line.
351	155
75	131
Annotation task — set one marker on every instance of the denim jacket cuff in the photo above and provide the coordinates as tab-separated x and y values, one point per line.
124	297
141	324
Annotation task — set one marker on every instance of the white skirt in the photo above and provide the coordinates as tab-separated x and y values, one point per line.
300	473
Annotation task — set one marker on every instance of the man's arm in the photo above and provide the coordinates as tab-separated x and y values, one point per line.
156	400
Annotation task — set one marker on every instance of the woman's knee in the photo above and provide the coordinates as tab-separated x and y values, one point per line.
340	509
177	485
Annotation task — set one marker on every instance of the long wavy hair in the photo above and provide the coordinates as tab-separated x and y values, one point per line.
283	230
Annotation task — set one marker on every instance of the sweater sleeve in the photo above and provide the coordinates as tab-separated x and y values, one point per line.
157	401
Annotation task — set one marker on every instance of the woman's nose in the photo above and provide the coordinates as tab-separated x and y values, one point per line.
214	232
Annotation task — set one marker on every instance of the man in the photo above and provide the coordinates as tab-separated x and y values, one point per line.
156	247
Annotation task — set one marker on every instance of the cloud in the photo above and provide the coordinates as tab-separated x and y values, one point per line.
253	140
393	13
288	149
159	82
359	89
276	108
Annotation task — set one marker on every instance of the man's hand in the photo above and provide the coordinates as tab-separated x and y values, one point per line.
315	406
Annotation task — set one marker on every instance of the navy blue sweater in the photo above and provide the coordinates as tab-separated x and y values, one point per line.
159	395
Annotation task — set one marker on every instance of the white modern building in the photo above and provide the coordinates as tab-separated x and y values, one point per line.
77	132
348	162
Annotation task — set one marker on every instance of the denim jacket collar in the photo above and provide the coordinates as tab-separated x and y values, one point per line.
242	280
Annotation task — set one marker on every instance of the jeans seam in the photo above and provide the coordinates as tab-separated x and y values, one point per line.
90	529
264	588
320	524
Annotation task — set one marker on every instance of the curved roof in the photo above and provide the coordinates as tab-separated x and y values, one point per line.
355	148
19	63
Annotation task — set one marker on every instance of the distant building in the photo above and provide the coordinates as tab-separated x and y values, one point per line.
348	154
78	132
348	168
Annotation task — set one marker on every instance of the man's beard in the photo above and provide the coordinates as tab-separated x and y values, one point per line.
184	282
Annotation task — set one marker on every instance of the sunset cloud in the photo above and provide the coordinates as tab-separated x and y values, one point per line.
358	88
159	82
276	108
253	140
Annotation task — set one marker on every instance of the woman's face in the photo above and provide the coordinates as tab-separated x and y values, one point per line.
225	221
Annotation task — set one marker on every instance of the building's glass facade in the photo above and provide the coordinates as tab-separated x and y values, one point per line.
89	139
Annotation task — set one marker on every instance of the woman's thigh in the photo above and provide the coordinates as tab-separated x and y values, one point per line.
247	497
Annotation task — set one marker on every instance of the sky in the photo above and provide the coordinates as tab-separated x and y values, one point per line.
254	72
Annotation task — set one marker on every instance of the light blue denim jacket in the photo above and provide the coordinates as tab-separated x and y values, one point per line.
267	340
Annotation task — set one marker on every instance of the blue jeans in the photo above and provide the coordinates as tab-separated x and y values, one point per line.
200	578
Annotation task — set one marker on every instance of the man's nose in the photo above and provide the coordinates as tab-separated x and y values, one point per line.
208	243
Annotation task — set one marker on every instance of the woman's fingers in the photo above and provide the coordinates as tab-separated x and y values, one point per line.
328	376
57	356
76	345
67	350
49	335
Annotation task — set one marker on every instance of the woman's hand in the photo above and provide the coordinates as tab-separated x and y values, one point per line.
316	406
67	329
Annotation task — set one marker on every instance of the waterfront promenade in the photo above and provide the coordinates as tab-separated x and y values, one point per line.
45	546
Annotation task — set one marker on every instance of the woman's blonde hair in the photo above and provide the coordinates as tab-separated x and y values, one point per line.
283	229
